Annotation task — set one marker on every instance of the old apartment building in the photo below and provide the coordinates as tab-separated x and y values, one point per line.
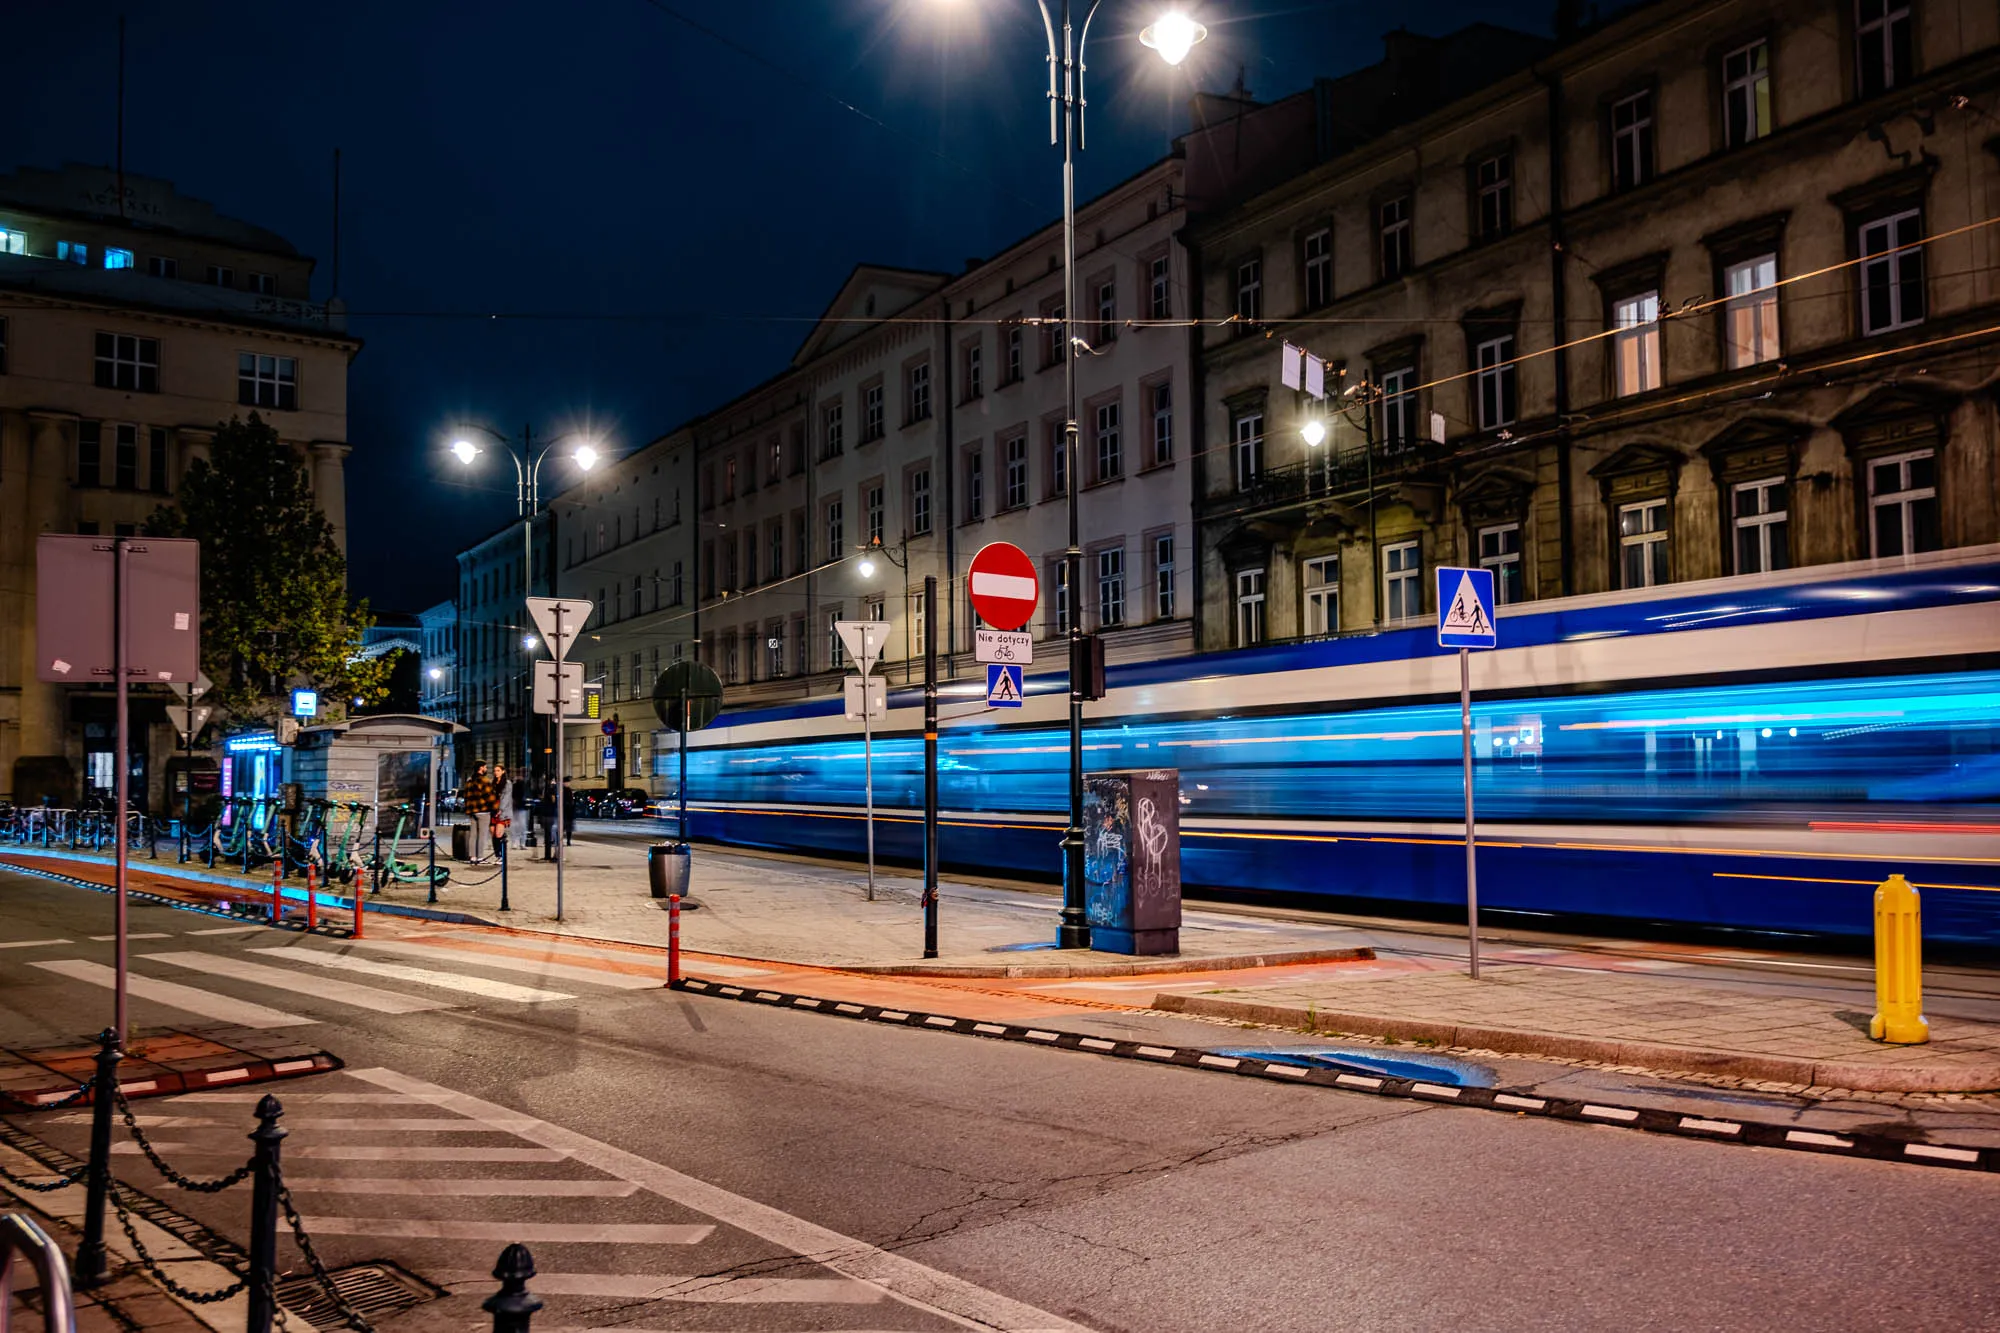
1708	290
131	324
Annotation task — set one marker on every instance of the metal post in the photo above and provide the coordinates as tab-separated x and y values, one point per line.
278	886
1074	930
187	777
562	762
312	891
674	940
513	1305
681	821
1471	871
432	846
91	1265
1368	465
868	773
930	769
121	588
264	1214
503	874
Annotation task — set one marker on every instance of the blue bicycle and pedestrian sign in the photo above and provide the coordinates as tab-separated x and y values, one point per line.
1465	608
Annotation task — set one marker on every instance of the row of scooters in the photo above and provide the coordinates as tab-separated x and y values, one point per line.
324	834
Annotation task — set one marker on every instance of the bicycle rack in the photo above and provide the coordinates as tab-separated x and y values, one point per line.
19	1235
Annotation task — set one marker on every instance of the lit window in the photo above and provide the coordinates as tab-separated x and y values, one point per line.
1892	272
1903	504
1392	225
1250	290
126	362
1322	589
1493	178
1750	314
1762	524
1163	424
1500	551
1319	268
1399	408
1882	53
267	381
1160	297
73	252
1247	449
1402	581
1249	607
13	241
1110	449
1111	587
1635	347
1632	141
115	258
1163	576
920	501
1497	394
1746	93
1642	543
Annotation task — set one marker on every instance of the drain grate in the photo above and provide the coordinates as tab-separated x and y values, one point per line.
376	1290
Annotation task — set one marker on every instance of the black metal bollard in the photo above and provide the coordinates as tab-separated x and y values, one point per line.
91	1262
380	867
513	1305
264	1215
434	865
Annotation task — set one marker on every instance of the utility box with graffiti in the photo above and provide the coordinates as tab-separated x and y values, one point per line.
1132	860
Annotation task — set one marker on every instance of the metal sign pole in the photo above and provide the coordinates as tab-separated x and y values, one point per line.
930	768
681	825
124	759
868	775
1471	870
562	756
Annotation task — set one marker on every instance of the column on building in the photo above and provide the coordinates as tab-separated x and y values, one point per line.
40	762
329	478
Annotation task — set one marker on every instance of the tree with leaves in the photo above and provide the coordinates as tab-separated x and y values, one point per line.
274	605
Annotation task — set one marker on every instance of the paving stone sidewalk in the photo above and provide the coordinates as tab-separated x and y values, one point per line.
1619	1018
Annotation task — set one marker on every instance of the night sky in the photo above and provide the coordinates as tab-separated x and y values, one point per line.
614	214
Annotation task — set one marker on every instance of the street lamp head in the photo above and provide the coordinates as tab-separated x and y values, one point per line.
437	673
867	567
1314	432
464	450
530	642
1173	35
585	456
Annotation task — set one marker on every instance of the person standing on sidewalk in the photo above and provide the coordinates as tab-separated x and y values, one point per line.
481	800
569	813
503	808
545	818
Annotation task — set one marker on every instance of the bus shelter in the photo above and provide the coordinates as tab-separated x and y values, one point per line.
382	760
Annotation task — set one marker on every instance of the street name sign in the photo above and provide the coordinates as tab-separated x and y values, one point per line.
1465	608
1003	685
1004	585
864	641
1001	645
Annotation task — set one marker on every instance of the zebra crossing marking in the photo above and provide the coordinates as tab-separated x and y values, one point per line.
423	976
463	1188
362	1152
321	988
473	957
30	944
706	1290
207	1004
582	1233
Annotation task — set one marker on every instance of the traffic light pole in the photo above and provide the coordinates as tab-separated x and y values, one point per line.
562	757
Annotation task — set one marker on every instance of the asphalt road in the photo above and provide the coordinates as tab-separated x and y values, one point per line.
686	1163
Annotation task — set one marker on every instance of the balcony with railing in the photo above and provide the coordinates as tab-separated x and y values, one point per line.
1341	476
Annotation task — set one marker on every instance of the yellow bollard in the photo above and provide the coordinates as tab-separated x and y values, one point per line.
1899	965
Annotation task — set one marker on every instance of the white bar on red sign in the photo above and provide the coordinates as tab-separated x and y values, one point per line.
1004	585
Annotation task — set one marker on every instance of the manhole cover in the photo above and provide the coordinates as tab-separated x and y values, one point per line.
373	1290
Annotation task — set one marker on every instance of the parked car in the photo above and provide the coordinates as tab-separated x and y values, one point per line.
614	803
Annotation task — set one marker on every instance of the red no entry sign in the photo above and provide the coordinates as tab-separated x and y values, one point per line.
1004	586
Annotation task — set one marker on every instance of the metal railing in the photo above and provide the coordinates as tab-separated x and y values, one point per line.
19	1236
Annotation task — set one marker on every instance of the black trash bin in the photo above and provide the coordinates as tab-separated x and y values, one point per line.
668	865
461	842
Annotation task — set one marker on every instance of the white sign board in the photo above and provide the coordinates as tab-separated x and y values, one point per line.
560	619
545	688
864	640
1001	645
878	697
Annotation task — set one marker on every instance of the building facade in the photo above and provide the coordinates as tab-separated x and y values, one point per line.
495	646
132	322
437	681
1706	290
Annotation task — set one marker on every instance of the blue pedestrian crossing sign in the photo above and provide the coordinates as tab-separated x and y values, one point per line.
1003	685
1465	608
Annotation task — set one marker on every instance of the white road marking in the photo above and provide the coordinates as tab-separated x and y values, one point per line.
502	963
905	1278
581	1233
1943	1154
294	1098
320	988
1610	1113
1822	1140
361	1152
30	944
449	1186
1433	1090
229	930
423	976
172	994
1523	1103
708	1290
153	935
1710	1126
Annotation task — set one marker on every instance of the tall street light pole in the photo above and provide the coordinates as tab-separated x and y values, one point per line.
1173	35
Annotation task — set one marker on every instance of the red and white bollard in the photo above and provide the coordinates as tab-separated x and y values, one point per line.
312	899
673	940
360	887
278	891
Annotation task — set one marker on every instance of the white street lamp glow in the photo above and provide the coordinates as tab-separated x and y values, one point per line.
437	673
529	642
465	450
1314	432
867	567
1173	35
585	456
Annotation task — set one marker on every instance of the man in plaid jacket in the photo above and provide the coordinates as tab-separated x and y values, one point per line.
481	800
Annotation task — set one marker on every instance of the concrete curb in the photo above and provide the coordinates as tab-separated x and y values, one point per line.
1136	968
1651	1055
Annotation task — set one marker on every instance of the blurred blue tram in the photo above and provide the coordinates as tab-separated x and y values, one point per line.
1750	753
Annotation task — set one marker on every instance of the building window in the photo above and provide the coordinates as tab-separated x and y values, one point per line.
920	501
974	369
728	661
1163	423
1250	290
1892	272
116	258
832	439
1058	459
872	508
13	241
728	484
126	362
1746	93
801	542
1017	472
162	267
1110	449
220	276
1500	551
1249	607
678	586
1632	141
774	467
1642	543
1322	587
73	252
156	461
777	539
89	454
1247	448
1059	605
1160	288
836	651
836	542
774	647
1750	313
1392	226
1014	335
975	485
1762	524
1498	402
1107	312
749	568
1318	256
1163	576
920	392
125	459
1399	408
1111	587
263	284
1055	333
1882	45
871	413
1493	179
1402	581
1903	504
267	381
1635	347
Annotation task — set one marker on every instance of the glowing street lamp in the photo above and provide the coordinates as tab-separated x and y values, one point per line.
1173	35
465	450
585	456
1314	432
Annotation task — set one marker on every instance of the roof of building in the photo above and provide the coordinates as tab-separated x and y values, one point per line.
88	192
